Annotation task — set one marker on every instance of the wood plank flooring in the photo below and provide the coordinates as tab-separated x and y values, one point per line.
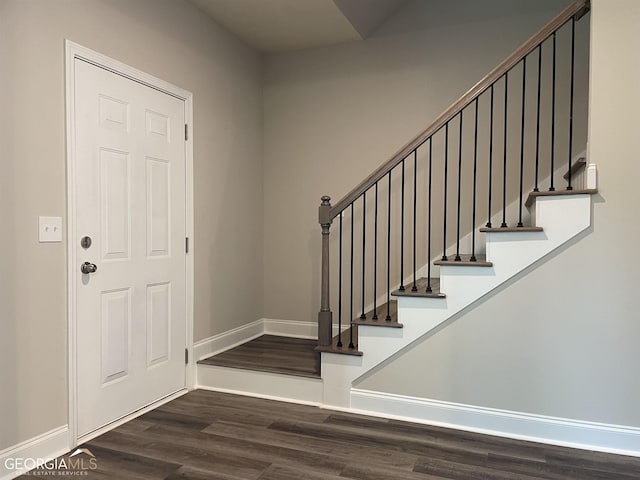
208	435
271	353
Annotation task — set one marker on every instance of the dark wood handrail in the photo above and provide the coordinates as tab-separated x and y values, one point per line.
576	9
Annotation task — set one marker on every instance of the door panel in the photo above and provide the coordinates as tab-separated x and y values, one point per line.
130	199
115	204
158	323
158	201
115	322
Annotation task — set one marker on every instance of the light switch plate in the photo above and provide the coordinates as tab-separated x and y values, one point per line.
49	229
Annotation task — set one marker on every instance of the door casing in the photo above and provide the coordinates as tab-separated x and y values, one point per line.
73	51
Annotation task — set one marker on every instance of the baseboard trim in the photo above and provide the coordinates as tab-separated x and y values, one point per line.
47	446
270	326
226	340
503	423
290	328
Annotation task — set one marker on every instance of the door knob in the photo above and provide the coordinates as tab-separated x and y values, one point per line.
87	267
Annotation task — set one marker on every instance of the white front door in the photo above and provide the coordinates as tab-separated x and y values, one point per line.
130	206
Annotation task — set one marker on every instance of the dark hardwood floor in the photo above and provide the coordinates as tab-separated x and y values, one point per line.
270	353
207	435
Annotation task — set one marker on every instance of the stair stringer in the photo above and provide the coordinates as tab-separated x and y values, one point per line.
562	218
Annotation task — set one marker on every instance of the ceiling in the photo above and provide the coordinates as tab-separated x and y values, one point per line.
271	26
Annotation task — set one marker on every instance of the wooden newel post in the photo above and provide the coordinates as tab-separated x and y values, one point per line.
325	320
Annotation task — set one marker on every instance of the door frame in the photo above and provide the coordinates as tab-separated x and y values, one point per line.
74	51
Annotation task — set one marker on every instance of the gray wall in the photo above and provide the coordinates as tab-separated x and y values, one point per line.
171	40
332	115
562	340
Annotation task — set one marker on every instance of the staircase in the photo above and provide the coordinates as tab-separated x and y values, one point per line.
558	218
477	159
467	206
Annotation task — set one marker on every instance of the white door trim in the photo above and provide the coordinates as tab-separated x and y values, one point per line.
73	51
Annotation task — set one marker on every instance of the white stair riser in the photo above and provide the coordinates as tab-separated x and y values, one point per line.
286	388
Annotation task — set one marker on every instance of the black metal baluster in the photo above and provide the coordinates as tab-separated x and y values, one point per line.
429	290
535	188
375	255
339	344
475	175
402	232
415	204
553	111
388	318
444	215
524	86
504	163
573	51
351	288
488	224
457	259
363	315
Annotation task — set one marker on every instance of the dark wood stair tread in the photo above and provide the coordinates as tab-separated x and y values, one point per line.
272	354
465	261
510	229
381	312
344	350
532	196
576	167
421	286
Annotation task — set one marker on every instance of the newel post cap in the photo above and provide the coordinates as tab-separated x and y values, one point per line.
324	211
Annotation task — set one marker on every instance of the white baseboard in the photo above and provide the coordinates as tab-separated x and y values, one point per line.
47	446
226	340
270	326
295	328
290	328
503	423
